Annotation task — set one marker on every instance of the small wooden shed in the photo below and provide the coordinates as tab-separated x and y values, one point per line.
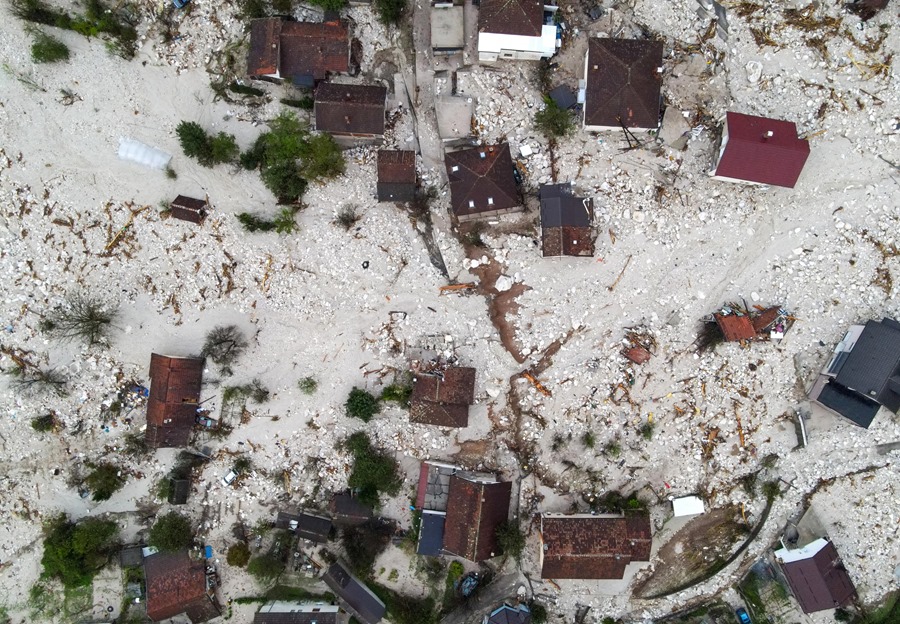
189	209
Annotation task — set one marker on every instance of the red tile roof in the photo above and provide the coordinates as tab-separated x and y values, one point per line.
443	400
511	17
623	83
474	511
298	48
174	395
753	156
593	547
177	584
734	327
356	110
481	181
397	166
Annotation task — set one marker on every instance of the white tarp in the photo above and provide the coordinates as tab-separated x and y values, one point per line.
143	154
687	506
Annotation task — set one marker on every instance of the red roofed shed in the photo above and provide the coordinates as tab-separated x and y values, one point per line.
761	151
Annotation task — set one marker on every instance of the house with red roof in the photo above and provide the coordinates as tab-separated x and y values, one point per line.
178	584
587	546
442	398
302	52
174	398
759	150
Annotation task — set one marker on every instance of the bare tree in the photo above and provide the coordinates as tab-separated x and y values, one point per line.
35	380
83	317
224	344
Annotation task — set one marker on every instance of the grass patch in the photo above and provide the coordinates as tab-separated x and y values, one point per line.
48	49
116	25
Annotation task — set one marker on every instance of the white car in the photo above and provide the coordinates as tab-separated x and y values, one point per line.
229	478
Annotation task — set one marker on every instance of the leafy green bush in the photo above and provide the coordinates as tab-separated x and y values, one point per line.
511	540
308	385
117	24
103	481
398	393
172	532
361	404
374	471
588	439
74	553
538	612
266	568
330	5
238	555
208	150
322	158
646	430
552	121
284	221
45	423
254	223
223	148
390	12
613	449
48	49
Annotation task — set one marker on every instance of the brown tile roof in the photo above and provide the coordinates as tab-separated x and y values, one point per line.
623	83
511	17
174	395
298	48
350	109
443	401
593	547
474	511
481	180
396	175
177	584
735	328
819	582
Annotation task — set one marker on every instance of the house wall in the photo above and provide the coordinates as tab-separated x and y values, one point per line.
492	213
492	46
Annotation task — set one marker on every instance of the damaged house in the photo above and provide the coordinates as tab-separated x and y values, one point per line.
302	52
566	222
442	397
350	111
482	182
587	546
863	374
816	575
733	323
522	30
174	398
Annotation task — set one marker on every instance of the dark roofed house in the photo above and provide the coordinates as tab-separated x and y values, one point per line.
506	614
306	526
303	52
355	598
177	584
431	533
174	396
623	84
189	209
516	30
443	399
396	175
352	111
482	183
179	490
760	150
474	511
566	222
592	547
816	575
285	612
863	374
347	510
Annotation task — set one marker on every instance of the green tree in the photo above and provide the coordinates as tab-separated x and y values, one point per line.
266	568
48	49
552	121
103	481
390	12
511	540
361	404
223	148
172	532
538	612
74	553
330	5
364	543
193	139
374	471
238	555
322	158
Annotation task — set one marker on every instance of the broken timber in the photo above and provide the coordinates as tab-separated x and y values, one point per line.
534	382
457	287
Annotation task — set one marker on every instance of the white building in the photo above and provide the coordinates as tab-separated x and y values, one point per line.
522	30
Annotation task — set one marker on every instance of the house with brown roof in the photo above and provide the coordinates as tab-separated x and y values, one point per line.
482	182
566	222
759	150
178	584
302	52
396	175
443	398
522	30
816	575
623	83
585	546
350	111
174	397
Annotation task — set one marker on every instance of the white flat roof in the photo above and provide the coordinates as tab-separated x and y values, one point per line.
799	554
545	44
688	506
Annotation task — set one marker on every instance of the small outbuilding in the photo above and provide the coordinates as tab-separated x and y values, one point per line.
347	510
759	150
687	506
189	209
396	175
566	222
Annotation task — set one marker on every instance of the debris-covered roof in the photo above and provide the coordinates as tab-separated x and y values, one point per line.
511	17
816	575
350	109
474	511
174	395
177	584
482	181
623	83
592	547
309	526
355	597
292	49
761	150
740	325
348	510
443	398
565	222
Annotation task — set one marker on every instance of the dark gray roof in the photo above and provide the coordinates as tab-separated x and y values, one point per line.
564	96
431	534
849	404
560	207
309	527
874	360
131	556
819	582
181	488
355	597
510	615
348	510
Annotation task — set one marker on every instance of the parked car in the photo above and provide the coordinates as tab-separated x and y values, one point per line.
179	4
742	616
229	478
